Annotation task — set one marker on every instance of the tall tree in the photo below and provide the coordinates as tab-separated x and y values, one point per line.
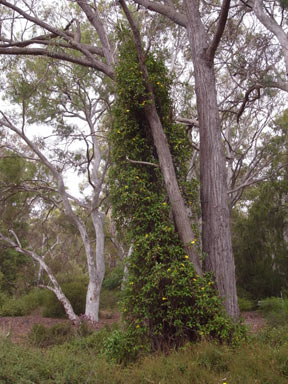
68	39
216	236
65	96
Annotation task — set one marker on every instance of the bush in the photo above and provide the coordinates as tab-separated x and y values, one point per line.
23	305
76	294
109	300
3	299
275	310
113	280
245	304
122	346
273	336
42	337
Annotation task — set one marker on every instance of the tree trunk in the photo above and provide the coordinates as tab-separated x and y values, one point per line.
96	269
216	235
179	210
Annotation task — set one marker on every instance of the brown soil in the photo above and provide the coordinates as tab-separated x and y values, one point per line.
17	328
254	321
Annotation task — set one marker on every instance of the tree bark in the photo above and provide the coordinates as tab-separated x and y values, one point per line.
216	235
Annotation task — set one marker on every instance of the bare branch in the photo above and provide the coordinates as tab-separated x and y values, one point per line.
142	162
219	29
165	10
59	56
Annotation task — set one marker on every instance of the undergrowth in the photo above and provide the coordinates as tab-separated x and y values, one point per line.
81	360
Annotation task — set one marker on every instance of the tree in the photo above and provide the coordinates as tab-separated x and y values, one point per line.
216	237
77	104
216	229
14	209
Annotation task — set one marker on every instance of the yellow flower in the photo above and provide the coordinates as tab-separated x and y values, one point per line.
202	288
118	131
164	204
164	298
193	241
131	283
182	265
127	110
137	326
194	279
169	269
146	235
158	82
125	310
186	257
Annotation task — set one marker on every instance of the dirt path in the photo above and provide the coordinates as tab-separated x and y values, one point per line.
18	327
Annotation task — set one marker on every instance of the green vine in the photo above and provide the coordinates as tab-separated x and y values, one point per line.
165	301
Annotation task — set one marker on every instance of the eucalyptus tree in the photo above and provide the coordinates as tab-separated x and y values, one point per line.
92	56
51	96
85	37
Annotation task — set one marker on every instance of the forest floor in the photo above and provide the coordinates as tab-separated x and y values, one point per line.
17	328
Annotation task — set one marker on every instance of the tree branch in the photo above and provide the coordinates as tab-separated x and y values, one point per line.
219	30
164	10
59	56
142	162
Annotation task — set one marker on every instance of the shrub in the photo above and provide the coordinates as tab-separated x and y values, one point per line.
75	292
113	280
23	305
122	346
245	304
109	300
3	299
274	336
275	310
41	336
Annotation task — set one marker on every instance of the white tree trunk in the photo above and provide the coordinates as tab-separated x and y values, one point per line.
55	286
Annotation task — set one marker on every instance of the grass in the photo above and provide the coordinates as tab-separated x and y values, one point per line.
263	360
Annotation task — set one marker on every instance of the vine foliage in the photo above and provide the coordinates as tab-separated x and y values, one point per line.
165	302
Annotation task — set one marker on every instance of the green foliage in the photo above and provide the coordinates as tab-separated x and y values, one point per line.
274	336
75	292
122	346
42	337
245	304
14	213
284	4
275	310
258	243
165	302
113	280
79	361
23	305
109	299
3	299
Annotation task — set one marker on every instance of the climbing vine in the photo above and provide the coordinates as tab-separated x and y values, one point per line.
165	301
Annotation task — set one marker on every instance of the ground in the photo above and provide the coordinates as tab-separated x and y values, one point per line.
18	327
